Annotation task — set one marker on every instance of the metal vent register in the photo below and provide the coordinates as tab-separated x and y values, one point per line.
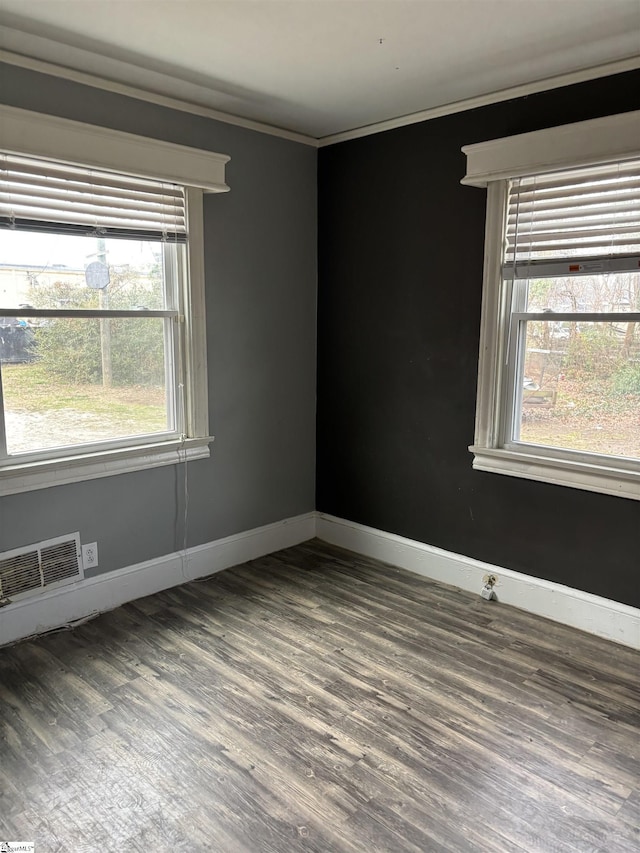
45	565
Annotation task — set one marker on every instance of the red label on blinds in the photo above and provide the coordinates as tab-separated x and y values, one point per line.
587	266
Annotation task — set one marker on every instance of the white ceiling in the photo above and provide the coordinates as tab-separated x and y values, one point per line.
320	67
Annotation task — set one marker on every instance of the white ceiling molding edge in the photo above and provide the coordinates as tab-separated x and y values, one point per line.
54	70
606	70
97	82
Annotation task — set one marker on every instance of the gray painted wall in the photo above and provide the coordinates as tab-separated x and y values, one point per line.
260	259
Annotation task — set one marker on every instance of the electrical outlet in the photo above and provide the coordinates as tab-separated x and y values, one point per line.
487	593
90	555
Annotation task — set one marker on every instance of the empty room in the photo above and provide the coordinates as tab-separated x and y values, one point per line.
320	426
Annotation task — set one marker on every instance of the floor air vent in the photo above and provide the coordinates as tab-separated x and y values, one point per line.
46	565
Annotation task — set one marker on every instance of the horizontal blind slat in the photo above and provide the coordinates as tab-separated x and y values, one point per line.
574	226
71	194
574	223
60	172
87	213
616	172
560	214
589	206
46	193
584	194
620	244
85	229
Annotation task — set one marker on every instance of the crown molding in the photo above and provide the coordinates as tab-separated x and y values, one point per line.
54	70
618	67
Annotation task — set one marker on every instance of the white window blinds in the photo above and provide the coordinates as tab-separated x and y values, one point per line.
590	214
47	196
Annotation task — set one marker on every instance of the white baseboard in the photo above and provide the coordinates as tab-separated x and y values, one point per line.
591	613
63	606
66	605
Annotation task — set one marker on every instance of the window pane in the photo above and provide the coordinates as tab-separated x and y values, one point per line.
581	387
69	271
72	381
618	292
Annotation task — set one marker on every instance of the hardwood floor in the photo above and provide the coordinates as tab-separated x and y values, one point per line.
316	700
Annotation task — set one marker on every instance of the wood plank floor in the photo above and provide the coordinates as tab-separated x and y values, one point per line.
315	700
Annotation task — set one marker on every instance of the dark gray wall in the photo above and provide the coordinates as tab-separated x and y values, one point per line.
260	244
400	284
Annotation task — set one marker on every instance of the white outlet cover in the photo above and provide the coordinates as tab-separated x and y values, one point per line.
90	555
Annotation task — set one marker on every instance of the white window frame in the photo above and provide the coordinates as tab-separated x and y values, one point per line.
492	164
23	132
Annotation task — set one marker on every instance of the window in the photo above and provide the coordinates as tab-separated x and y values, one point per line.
102	338
559	382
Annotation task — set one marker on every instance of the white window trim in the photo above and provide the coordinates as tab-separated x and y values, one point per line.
35	134
585	143
90	466
27	133
491	164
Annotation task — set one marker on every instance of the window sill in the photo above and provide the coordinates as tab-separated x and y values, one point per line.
27	477
606	478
